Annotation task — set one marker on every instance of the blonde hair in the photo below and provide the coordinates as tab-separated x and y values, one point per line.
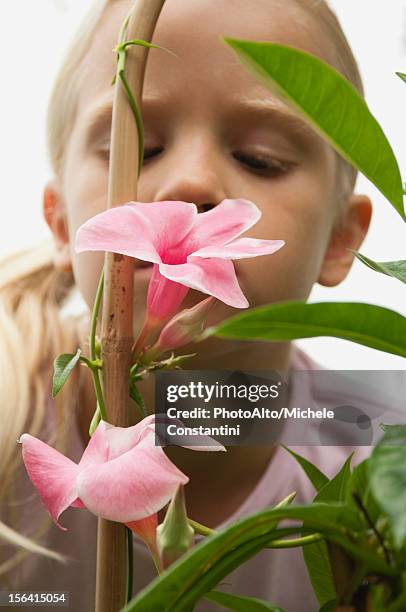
32	331
32	292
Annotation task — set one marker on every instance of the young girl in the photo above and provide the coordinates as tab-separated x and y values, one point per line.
211	132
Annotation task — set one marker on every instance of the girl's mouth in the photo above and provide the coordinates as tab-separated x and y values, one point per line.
140	264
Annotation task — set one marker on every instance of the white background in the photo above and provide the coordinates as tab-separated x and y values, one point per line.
34	35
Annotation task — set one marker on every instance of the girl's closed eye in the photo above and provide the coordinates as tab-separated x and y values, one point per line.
258	163
150	152
103	151
263	165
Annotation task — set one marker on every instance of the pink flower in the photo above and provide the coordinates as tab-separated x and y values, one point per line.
188	250
183	328
122	476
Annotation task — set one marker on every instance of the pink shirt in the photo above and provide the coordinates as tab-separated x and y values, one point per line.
277	576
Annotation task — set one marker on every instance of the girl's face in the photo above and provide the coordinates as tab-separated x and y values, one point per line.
213	132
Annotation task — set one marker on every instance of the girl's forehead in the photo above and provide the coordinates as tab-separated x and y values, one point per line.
187	26
193	30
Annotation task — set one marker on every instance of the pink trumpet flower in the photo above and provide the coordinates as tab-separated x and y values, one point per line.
122	475
187	249
182	329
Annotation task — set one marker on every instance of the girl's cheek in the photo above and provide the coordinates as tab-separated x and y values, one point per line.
86	194
303	223
86	269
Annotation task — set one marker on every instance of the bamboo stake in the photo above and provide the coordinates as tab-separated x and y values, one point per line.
117	320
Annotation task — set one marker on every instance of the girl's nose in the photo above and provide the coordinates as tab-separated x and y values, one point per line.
194	175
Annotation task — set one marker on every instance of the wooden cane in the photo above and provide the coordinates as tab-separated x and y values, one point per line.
117	319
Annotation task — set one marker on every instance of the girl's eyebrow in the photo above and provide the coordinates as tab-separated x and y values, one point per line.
277	113
98	120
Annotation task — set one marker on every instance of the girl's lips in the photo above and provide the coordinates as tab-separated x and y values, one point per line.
142	264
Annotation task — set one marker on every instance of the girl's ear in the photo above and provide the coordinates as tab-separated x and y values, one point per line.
348	234
54	214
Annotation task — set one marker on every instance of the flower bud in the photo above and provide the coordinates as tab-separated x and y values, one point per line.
146	529
95	420
183	327
174	535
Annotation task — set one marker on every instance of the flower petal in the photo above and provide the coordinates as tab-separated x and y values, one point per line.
120	440
53	475
183	327
206	443
133	486
170	223
240	249
146	529
145	230
97	450
164	296
212	276
118	230
224	222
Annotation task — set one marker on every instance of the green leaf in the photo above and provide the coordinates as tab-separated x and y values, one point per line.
320	573
388	479
316	555
142	43
335	490
399	603
373	326
401	75
387	427
187	580
316	477
332	105
396	269
329	606
241	604
63	366
360	483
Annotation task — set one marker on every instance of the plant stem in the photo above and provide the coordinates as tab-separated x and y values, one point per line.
90	364
118	308
294	542
201	529
370	522
122	52
357	578
130	564
136	114
92	342
95	314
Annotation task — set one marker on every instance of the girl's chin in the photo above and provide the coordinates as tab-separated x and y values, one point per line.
142	272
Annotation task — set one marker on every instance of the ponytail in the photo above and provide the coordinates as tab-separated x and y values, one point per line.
33	331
